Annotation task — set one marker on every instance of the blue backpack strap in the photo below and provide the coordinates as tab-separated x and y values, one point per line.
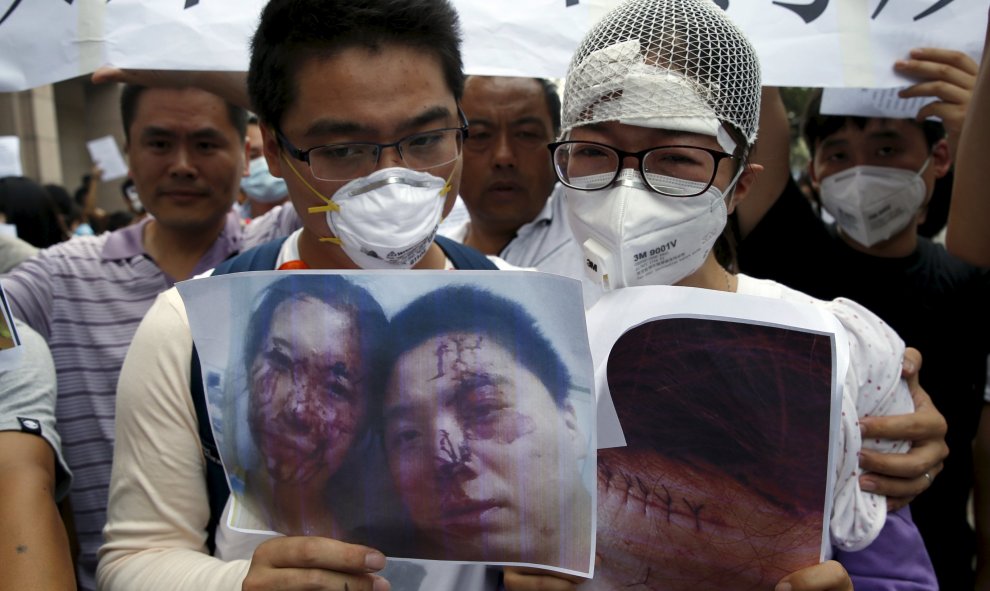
464	257
260	258
216	479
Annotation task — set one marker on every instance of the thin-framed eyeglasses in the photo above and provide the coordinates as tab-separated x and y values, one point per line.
350	160
676	171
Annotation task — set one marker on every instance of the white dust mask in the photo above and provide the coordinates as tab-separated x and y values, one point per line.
388	219
632	235
872	203
260	185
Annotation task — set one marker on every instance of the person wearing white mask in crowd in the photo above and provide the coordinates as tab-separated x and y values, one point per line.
260	191
661	109
875	176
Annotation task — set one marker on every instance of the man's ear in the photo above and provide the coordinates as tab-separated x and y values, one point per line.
272	150
816	182
247	158
743	185
941	158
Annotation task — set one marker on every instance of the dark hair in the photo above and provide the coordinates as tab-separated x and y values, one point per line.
118	219
131	94
751	400
292	32
27	205
67	206
464	308
815	127
332	290
553	103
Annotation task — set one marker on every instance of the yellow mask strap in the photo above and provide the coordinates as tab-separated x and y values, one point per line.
330	205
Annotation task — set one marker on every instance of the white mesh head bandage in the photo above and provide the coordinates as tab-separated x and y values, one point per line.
670	64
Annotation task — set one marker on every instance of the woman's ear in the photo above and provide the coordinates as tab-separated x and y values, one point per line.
743	185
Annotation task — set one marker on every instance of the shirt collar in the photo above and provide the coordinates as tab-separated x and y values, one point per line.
128	242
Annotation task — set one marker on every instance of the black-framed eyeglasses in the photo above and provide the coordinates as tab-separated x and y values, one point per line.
677	171
351	160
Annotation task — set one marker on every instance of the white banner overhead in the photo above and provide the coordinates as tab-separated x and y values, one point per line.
801	42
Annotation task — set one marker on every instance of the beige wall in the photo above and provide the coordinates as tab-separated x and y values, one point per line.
54	123
30	115
87	112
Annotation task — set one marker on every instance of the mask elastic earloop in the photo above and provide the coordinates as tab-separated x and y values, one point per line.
330	205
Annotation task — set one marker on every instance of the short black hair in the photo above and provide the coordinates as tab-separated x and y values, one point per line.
333	290
27	205
291	32
815	126
552	98
471	309
131	94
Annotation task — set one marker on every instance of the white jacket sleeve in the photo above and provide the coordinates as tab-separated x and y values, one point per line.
872	387
155	535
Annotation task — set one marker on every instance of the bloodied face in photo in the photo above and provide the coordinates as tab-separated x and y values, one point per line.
481	439
310	343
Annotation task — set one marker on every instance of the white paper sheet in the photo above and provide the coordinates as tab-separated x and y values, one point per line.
871	102
105	154
829	43
10	156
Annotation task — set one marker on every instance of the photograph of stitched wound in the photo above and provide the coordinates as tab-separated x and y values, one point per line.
723	482
428	415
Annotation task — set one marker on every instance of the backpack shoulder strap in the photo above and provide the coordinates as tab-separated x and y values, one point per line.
464	257
259	258
216	479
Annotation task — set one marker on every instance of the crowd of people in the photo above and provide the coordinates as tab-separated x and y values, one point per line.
347	143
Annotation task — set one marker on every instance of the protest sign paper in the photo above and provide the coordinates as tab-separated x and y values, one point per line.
10	156
44	41
830	43
105	154
871	102
722	398
462	431
11	349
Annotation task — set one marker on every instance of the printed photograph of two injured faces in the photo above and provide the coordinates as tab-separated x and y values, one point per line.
451	416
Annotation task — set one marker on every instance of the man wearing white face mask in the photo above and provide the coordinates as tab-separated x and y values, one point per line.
875	176
358	104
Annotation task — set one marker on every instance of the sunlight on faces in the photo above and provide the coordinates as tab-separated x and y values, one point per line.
484	459
185	156
507	177
661	523
359	95
307	401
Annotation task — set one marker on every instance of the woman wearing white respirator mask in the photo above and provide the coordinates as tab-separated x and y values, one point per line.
660	108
